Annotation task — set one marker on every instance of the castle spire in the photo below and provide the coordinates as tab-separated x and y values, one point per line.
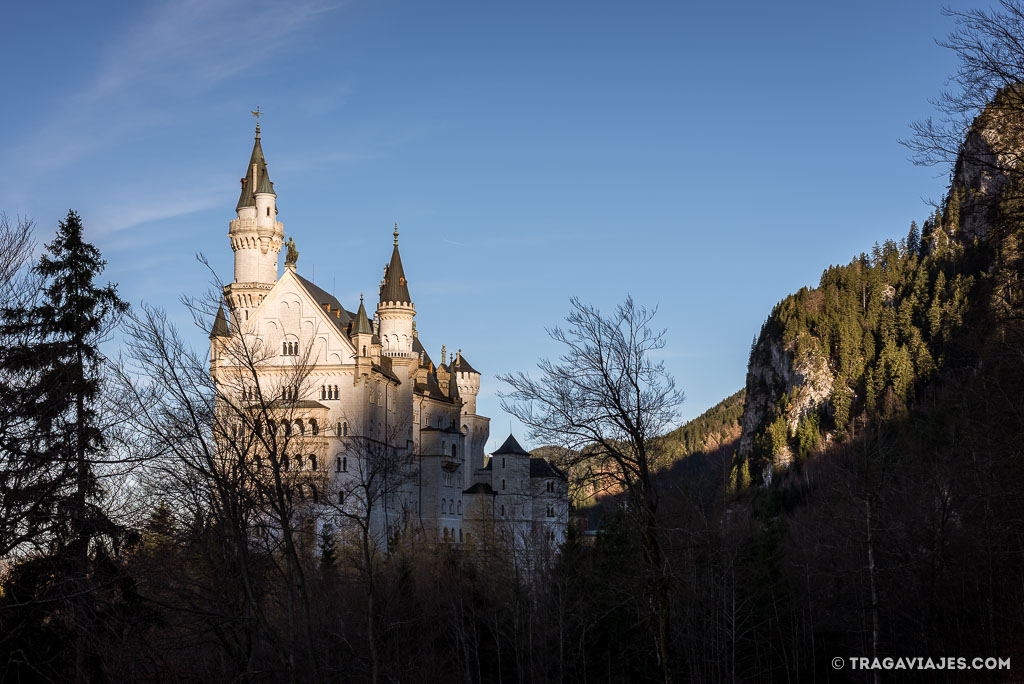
395	287
362	324
256	179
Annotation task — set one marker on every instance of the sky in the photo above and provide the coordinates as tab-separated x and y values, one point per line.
707	159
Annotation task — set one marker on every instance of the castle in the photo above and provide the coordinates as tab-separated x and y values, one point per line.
354	412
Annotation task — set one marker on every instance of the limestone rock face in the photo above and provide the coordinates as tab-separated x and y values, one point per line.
782	367
979	177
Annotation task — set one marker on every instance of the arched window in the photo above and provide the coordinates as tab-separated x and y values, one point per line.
460	506
287	428
312	461
443	503
284	348
364	350
313	427
338	428
300	427
454	451
344	464
344	427
337	464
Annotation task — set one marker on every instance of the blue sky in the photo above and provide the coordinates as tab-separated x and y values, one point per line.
709	159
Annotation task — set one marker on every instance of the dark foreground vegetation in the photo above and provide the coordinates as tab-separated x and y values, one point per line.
885	519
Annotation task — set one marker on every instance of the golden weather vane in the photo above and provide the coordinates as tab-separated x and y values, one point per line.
258	113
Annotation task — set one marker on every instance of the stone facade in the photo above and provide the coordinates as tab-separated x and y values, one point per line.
368	418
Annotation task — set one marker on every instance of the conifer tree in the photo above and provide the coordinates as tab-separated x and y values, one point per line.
61	357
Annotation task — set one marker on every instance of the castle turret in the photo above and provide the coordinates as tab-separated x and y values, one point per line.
395	311
256	237
468	380
362	333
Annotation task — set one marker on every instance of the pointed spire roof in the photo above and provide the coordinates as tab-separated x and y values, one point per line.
511	446
220	325
260	182
394	287
362	323
461	365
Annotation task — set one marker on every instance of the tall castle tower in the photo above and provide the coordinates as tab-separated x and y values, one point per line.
256	237
395	311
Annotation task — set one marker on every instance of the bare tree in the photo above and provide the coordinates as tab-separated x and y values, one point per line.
371	475
606	401
240	457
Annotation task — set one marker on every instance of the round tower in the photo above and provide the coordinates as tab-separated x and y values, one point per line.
468	380
256	237
395	310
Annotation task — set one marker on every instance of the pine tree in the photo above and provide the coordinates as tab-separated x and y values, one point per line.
61	357
913	239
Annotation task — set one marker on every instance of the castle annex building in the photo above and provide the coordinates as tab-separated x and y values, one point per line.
352	410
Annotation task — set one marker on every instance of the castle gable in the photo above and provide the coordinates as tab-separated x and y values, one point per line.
290	313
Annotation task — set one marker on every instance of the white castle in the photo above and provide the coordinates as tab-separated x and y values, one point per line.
369	424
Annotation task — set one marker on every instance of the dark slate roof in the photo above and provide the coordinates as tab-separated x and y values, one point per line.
511	446
385	369
251	185
417	347
461	365
395	288
362	323
220	325
343	321
541	468
480	488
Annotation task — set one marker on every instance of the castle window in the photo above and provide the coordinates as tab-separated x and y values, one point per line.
337	464
316	494
502	461
339	428
313	427
300	427
344	464
454	451
312	462
344	428
551	486
460	535
341	498
443	503
268	211
460	506
503	484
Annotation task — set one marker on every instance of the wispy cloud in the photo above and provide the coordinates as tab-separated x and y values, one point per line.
148	76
